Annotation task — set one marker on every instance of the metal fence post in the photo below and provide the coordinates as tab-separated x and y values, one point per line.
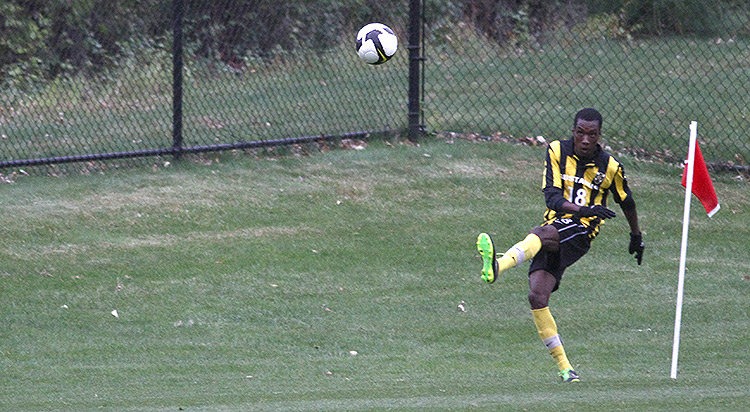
177	11
415	61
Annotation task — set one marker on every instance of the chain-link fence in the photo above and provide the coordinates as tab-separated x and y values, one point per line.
95	80
524	71
153	78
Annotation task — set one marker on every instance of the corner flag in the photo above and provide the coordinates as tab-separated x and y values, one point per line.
696	180
702	186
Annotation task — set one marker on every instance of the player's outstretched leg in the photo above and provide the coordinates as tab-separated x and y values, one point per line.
489	263
517	254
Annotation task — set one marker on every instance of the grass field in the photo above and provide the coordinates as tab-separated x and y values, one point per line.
245	283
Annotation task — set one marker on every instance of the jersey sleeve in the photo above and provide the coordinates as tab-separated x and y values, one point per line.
552	184
552	176
619	188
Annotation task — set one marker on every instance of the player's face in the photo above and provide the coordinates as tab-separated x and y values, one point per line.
585	137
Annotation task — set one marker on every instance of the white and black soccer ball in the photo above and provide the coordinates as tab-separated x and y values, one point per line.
376	43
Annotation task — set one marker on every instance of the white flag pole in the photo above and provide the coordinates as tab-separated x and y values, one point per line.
683	249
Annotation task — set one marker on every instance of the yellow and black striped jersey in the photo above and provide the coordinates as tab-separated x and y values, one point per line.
585	182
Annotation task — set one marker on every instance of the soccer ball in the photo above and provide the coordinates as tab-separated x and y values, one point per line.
376	43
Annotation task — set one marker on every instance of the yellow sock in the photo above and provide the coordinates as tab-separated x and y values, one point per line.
520	252
547	328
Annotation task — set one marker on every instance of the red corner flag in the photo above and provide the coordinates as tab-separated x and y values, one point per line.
702	186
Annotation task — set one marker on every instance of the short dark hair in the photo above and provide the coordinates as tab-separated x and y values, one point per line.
588	114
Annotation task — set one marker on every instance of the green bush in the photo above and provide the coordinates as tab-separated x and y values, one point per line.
230	30
40	41
669	17
22	43
45	40
657	17
520	22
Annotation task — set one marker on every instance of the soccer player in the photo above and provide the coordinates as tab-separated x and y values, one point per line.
578	178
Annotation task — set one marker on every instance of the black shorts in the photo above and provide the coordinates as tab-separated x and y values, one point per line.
574	243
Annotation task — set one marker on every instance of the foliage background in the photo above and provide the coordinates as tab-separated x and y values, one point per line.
43	40
85	77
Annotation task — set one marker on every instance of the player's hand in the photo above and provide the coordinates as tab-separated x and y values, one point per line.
596	210
637	246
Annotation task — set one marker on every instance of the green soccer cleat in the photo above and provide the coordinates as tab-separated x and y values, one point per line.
487	251
569	375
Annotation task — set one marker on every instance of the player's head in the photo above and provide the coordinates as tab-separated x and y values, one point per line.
590	115
587	128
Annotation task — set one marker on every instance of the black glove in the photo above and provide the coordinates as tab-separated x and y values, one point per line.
596	210
637	246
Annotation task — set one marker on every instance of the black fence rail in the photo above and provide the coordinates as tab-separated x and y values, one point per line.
88	81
